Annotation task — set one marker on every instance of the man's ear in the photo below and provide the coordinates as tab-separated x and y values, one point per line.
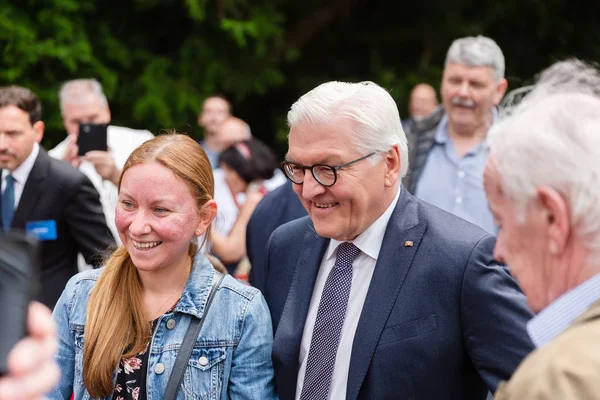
207	215
107	112
500	90
556	218
393	164
38	127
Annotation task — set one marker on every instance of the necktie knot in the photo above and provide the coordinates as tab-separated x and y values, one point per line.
346	253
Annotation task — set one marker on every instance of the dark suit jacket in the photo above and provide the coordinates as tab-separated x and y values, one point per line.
441	320
278	207
57	191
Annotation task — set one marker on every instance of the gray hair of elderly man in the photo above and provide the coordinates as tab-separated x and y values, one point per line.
552	138
371	110
477	51
79	90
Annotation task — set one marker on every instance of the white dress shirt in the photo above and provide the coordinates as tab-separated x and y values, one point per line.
369	243
21	174
227	210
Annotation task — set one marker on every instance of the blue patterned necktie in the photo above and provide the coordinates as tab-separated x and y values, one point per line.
328	325
8	202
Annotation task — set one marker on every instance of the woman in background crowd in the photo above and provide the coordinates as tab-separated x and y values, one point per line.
246	166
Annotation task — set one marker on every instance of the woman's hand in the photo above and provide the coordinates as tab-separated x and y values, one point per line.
252	200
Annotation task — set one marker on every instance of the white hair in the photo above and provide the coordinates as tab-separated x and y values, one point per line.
552	138
78	90
477	51
373	111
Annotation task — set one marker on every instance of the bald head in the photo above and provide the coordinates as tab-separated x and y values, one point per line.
423	100
232	131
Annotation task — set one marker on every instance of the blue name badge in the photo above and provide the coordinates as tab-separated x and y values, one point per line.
42	230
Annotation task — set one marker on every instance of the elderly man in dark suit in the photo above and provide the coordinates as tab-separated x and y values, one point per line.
377	295
45	197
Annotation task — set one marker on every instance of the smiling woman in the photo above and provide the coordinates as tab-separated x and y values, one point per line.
133	316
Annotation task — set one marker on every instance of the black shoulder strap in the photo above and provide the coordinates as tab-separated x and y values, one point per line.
187	345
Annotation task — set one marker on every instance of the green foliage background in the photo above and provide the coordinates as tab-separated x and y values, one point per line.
158	59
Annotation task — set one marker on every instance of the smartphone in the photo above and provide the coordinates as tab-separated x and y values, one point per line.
92	137
18	286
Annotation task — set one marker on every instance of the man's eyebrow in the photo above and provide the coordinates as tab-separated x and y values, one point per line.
329	160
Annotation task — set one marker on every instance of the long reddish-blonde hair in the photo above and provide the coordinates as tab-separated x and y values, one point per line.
116	326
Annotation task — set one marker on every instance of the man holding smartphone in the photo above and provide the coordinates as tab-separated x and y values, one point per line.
84	105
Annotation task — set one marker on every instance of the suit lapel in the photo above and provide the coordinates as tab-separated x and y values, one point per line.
32	191
393	264
291	325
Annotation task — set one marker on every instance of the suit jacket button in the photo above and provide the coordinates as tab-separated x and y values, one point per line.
171	323
159	368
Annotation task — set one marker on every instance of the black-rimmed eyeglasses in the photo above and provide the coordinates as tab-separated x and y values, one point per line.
324	174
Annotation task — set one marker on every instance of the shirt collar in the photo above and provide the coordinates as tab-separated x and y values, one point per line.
368	242
21	173
441	134
561	313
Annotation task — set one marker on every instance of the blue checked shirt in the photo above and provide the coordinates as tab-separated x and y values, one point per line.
561	313
456	184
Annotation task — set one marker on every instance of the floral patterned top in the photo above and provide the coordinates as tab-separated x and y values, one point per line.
131	376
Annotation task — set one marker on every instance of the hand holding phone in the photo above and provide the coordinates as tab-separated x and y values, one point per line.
92	137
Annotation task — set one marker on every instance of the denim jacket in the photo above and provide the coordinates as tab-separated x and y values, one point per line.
230	360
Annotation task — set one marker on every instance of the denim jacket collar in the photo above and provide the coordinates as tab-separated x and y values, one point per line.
197	288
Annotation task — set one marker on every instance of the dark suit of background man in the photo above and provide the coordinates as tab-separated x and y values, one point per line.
378	295
278	207
46	197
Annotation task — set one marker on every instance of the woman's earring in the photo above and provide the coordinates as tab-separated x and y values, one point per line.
198	231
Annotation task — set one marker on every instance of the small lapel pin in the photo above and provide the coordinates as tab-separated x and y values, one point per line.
408	243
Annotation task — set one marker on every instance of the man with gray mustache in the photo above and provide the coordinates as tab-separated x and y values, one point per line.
448	150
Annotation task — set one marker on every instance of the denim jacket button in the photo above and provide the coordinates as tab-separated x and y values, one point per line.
203	361
159	368
171	323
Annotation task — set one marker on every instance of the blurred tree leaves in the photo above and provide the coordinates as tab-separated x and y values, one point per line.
158	59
